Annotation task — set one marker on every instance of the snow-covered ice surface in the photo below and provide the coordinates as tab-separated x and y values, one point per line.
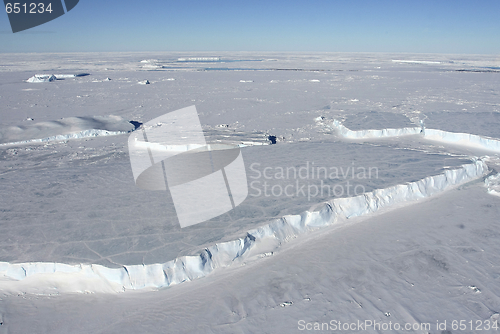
69	204
56	198
376	120
434	261
473	122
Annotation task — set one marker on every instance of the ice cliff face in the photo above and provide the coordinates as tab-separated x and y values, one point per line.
464	139
492	183
262	241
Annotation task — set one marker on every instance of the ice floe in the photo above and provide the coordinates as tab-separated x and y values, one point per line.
456	138
262	240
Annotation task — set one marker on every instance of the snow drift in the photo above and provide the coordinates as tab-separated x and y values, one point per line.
259	242
65	128
456	138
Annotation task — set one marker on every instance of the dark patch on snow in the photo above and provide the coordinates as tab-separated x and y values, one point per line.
135	124
272	139
478	71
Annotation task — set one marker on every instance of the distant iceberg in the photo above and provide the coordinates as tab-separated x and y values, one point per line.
51	77
41	78
199	59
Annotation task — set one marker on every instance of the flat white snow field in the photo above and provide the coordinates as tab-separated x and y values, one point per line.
373	200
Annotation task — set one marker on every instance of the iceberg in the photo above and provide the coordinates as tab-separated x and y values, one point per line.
37	78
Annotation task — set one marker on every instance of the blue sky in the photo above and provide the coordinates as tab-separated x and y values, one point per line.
254	25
